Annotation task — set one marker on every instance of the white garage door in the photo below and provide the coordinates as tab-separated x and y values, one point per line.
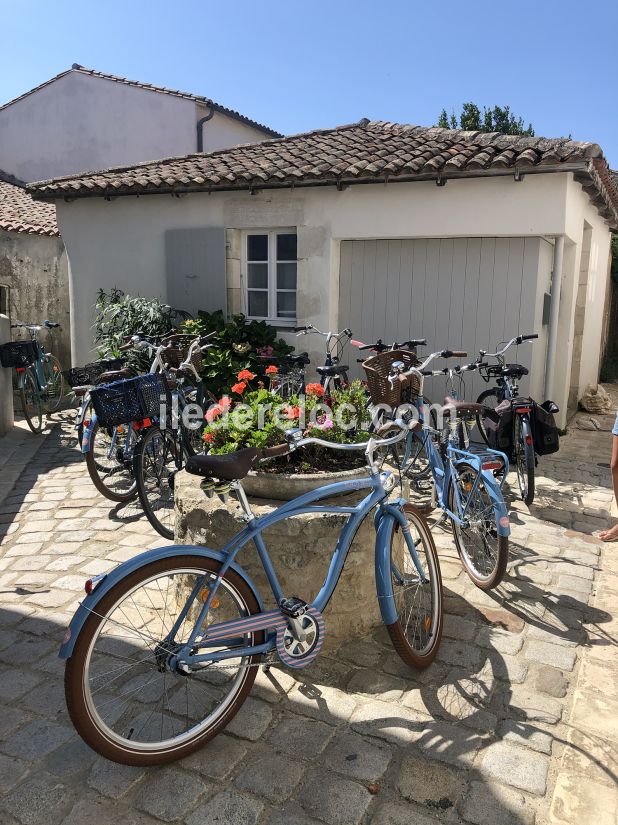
464	293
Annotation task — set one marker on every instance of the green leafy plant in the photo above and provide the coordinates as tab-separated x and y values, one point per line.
240	344
247	417
118	316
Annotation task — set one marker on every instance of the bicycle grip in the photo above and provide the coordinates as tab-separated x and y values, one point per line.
126	347
300	329
453	353
530	337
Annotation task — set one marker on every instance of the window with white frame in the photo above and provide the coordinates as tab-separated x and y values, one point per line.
270	266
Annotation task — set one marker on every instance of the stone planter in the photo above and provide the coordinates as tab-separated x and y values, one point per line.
286	486
300	549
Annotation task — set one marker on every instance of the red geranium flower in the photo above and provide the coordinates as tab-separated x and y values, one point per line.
225	403
315	389
291	413
213	412
245	375
240	387
208	438
272	370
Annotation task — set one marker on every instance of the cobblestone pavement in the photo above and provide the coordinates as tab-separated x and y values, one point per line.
514	723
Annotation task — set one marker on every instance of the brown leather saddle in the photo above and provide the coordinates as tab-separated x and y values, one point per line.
461	407
232	466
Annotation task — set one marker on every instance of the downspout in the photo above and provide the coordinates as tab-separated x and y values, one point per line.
554	311
200	127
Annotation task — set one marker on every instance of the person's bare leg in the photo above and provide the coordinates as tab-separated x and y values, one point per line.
612	533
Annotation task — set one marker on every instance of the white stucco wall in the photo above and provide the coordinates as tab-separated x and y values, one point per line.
82	122
121	243
221	132
579	209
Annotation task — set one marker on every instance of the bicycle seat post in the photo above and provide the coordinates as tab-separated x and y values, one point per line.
243	501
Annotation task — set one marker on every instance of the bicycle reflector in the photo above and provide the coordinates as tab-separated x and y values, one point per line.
20	369
492	465
91	584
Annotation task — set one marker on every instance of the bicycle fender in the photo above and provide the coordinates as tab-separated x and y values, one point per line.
527	432
384	586
500	509
109	580
88	434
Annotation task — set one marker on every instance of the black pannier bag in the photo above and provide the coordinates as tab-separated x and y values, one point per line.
498	425
544	430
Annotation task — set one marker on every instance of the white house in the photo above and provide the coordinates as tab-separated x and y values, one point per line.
77	121
82	119
393	230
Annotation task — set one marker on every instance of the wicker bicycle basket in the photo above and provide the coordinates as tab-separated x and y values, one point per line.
174	354
377	370
18	354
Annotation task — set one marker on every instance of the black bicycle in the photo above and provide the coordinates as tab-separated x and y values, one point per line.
519	410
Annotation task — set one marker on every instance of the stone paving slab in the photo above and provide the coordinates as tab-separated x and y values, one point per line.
515	722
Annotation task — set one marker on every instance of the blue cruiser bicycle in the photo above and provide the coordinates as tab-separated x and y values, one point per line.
162	652
463	476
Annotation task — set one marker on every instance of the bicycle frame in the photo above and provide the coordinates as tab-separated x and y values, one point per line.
253	533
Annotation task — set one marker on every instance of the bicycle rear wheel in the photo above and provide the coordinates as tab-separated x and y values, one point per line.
524	459
54	382
417	632
155	463
483	552
124	699
111	472
30	399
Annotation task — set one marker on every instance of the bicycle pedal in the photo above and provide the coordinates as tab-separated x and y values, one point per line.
294	606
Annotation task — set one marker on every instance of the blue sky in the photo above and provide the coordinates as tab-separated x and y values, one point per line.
298	66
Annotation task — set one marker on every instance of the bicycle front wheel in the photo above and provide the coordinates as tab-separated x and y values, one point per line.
155	463
30	399
489	398
54	382
418	599
124	699
483	552
109	468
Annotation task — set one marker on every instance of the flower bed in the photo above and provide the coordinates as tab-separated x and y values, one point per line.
251	415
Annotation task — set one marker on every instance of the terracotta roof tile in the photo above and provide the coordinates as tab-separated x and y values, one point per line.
20	213
368	151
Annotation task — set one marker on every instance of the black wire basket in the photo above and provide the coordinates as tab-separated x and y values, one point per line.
132	399
18	354
90	374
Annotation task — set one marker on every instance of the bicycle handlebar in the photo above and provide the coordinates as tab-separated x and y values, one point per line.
309	328
295	442
380	346
519	339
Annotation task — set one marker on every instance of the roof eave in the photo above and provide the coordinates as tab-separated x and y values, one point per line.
584	173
